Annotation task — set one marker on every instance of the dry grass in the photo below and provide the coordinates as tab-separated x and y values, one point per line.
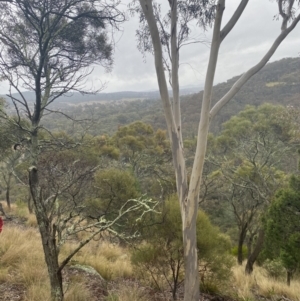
3	274
22	262
20	209
77	292
128	293
110	261
18	246
31	220
247	287
38	291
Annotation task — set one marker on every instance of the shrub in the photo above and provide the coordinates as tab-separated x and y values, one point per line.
274	268
234	251
161	254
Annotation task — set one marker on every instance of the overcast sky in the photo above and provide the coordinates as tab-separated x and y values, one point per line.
243	47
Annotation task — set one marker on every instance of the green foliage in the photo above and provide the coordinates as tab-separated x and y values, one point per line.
282	225
112	188
250	156
214	259
162	252
146	153
115	186
274	268
265	122
139	137
234	251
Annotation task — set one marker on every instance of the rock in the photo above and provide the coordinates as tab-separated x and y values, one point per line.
87	269
95	283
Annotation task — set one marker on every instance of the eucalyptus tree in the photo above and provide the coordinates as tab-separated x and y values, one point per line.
188	192
250	152
48	47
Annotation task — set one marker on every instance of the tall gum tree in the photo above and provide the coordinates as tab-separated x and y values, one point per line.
47	47
188	192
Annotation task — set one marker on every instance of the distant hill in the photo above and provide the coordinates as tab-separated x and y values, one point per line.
277	83
76	98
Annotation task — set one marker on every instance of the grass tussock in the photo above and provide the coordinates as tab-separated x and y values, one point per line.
19	245
248	287
38	291
22	262
31	220
4	274
110	261
77	292
128	293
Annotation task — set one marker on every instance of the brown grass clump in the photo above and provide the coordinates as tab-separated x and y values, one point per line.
77	292
18	246
31	220
22	263
110	261
38	291
248	287
125	292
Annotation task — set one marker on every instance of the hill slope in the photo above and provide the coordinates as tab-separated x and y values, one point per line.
277	83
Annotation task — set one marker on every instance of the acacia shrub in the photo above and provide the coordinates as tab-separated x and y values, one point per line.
160	255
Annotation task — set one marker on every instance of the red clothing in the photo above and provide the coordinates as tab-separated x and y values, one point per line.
1	224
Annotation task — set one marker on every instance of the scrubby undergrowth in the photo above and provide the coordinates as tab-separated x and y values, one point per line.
23	274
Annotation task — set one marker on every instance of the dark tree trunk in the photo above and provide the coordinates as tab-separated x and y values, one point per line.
289	275
48	237
7	194
29	203
242	238
249	244
54	272
257	249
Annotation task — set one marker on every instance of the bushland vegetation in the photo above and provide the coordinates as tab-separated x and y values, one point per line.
248	176
83	188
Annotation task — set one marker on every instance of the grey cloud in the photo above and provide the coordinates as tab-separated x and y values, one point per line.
244	46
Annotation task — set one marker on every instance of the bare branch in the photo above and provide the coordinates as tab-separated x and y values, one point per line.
246	76
232	22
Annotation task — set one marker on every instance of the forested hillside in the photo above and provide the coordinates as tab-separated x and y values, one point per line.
277	83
